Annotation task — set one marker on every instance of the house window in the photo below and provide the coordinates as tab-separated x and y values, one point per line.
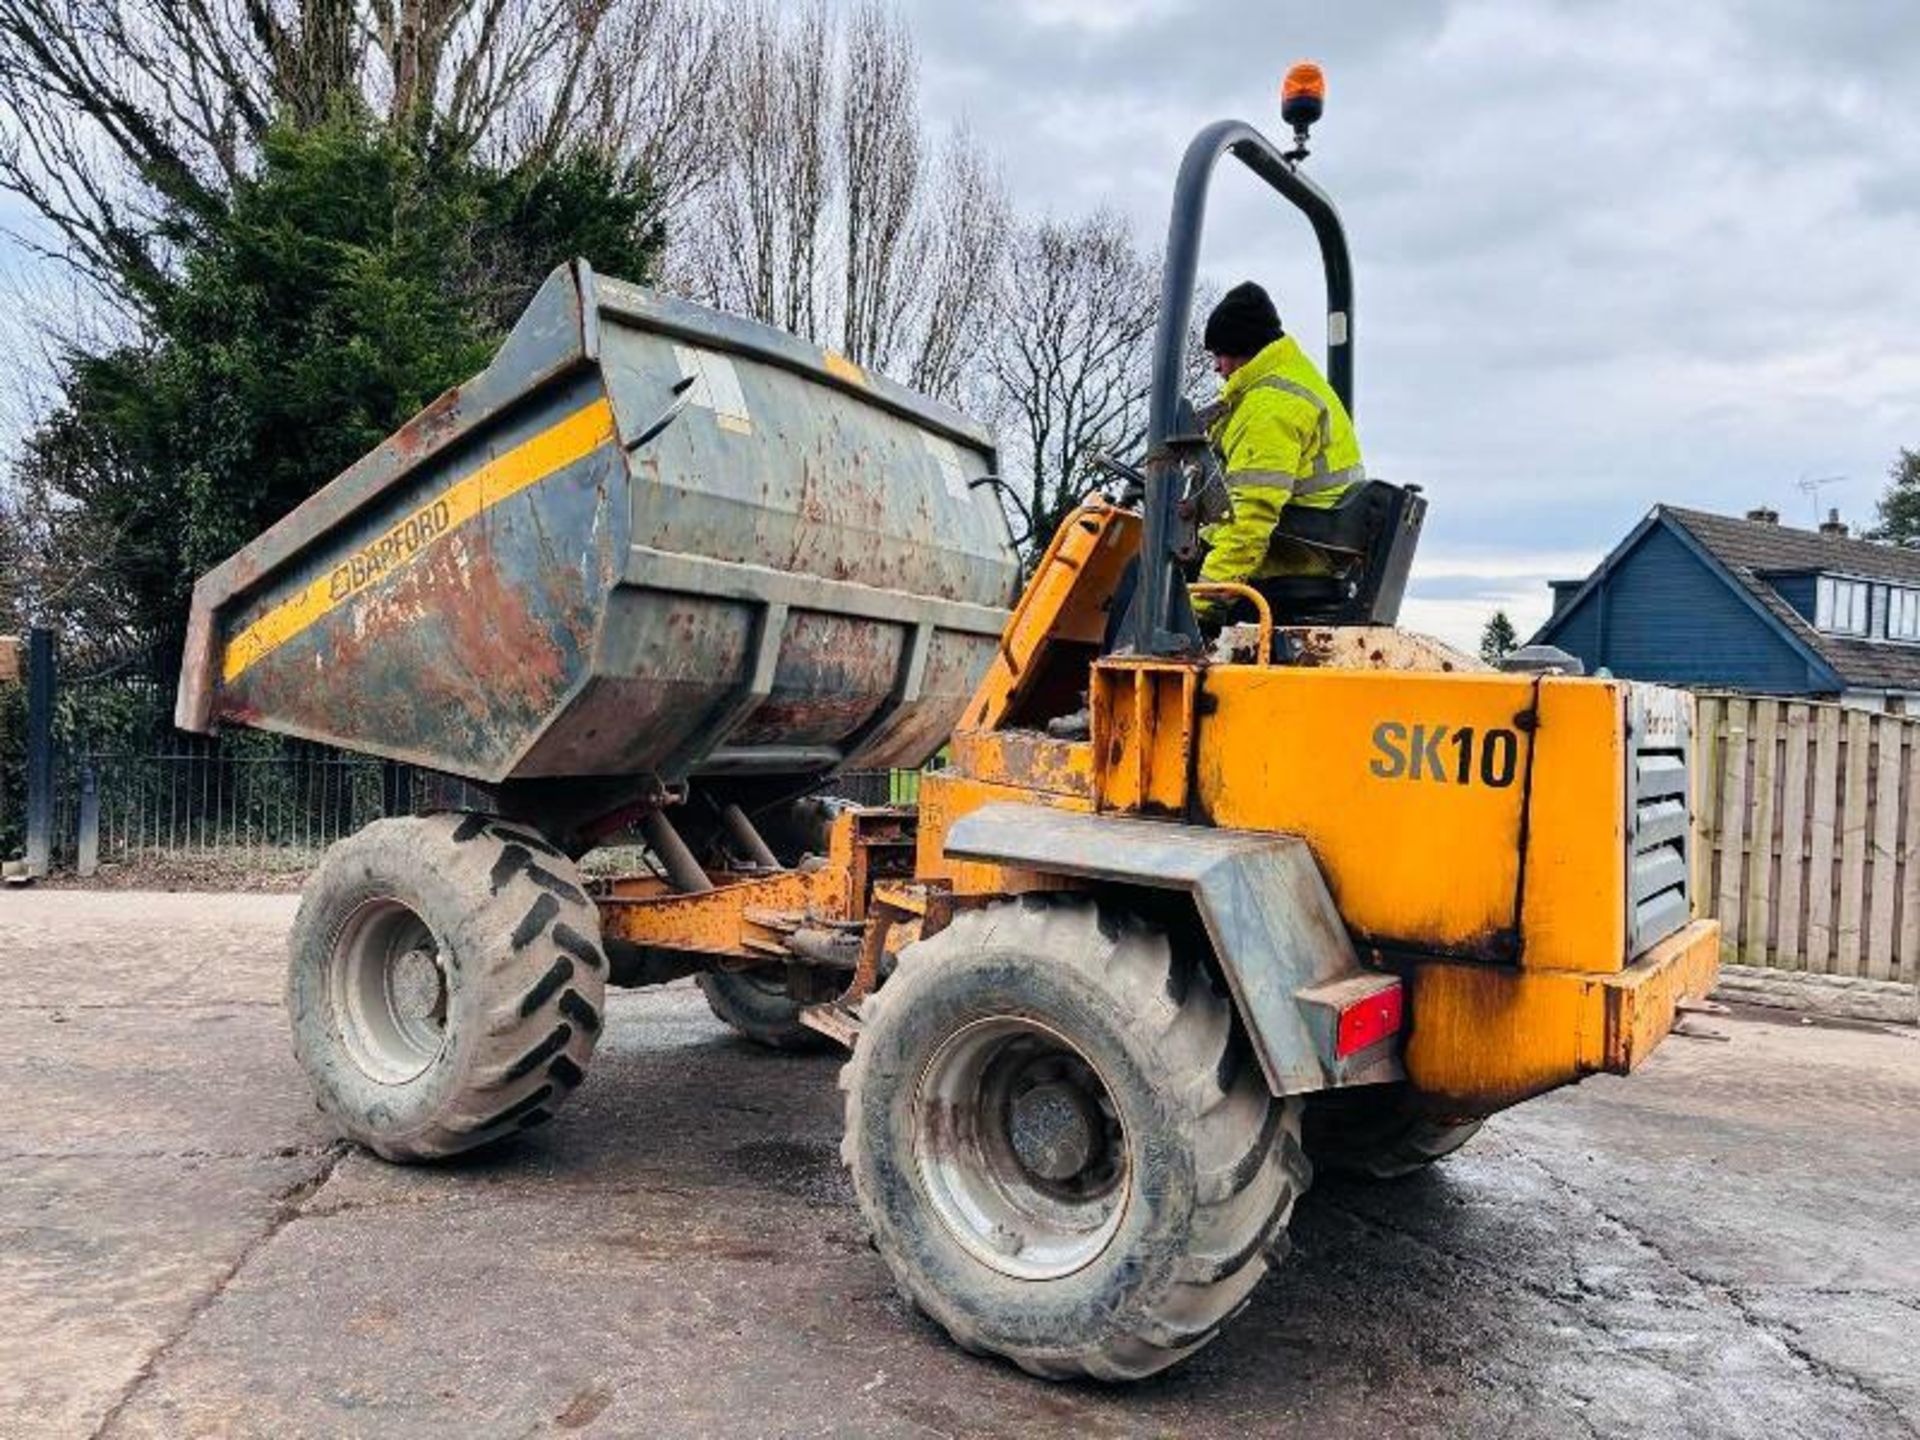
1903	614
1841	606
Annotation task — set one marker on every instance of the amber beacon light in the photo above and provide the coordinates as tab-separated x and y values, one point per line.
1303	96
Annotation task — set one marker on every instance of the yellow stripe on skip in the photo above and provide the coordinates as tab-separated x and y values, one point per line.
528	463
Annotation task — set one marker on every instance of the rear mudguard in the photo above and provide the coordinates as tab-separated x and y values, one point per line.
1276	933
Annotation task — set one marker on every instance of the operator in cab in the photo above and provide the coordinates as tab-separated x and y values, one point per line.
1284	437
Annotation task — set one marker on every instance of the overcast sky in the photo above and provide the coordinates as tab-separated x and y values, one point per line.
1607	254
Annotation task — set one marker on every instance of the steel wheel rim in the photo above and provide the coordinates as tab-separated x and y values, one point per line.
389	991
1020	1148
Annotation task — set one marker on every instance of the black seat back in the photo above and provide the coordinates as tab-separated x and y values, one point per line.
1367	538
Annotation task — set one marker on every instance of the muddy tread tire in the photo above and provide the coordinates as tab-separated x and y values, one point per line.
1383	1140
525	982
1215	1163
752	1011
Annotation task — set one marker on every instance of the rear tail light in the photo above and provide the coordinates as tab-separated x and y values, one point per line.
1369	1020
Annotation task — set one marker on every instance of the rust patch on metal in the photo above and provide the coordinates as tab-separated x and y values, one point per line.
540	651
423	434
1374	647
873	944
1495	945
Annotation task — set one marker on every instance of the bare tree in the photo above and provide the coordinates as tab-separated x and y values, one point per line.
56	557
1071	358
497	76
755	247
651	95
13	565
879	156
963	237
114	111
831	215
94	94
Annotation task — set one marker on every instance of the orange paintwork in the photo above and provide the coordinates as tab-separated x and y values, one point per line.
1501	898
744	918
1413	859
1575	914
1028	759
1143	733
947	795
1060	619
1472	827
715	922
1484	1037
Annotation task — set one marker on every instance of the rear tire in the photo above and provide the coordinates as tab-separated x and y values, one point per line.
446	984
1063	1148
760	1009
1377	1135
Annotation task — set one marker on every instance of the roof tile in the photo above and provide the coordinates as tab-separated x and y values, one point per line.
1753	549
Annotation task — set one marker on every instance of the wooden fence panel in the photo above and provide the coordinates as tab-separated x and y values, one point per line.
1731	839
1790	909
1884	848
1807	842
1853	842
1820	880
1706	794
1907	954
1761	846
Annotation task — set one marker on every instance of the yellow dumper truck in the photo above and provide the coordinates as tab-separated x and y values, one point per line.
1175	921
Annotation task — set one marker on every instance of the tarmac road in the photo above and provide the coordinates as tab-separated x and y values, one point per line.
1723	1244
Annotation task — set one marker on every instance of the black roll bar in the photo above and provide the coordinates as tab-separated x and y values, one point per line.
1155	624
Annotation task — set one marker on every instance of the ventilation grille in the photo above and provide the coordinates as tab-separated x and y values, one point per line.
1660	818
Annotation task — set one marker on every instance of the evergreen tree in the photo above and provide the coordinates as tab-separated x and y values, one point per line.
347	282
1498	639
1900	504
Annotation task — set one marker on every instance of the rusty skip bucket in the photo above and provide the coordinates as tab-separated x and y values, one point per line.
793	577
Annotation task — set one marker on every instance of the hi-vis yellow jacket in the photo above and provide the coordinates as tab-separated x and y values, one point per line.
1287	439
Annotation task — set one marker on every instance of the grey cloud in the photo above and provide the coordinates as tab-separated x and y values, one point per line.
1607	254
1840	39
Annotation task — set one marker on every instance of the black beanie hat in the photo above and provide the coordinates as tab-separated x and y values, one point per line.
1244	322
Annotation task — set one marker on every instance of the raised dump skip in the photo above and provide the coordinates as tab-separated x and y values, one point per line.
792	577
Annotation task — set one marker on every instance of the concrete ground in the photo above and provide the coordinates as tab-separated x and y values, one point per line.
1723	1244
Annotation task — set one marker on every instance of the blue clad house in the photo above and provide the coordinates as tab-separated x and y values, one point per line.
1750	604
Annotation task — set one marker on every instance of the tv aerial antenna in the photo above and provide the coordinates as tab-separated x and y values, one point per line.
1811	486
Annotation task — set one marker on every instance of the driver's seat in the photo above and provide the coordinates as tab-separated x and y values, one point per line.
1367	537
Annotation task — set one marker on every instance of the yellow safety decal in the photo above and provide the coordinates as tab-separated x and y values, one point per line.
528	463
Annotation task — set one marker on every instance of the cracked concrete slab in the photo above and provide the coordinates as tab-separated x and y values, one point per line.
214	1080
102	1260
78	948
1720	1245
1867	1335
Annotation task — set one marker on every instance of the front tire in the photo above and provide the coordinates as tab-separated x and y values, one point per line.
1065	1153
446	984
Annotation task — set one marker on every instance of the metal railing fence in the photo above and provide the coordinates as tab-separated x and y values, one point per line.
262	807
274	807
93	774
